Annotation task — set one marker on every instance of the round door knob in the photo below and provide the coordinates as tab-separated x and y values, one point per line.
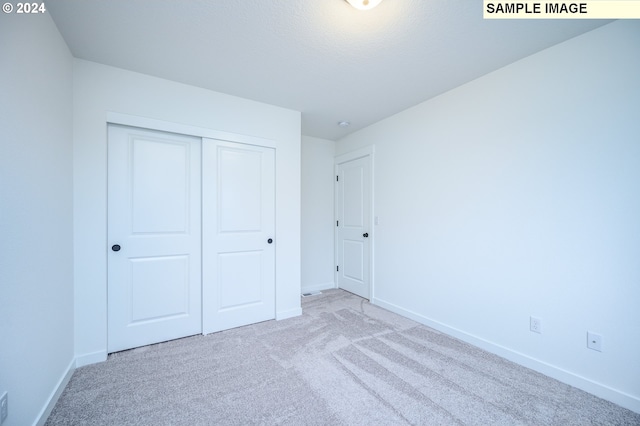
270	240
366	235
115	247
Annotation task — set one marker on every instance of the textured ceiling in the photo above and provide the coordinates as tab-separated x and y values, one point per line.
321	57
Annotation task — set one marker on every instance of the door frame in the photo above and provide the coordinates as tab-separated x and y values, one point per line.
369	153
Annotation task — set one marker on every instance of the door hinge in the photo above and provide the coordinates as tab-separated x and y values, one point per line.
337	223
337	268
337	178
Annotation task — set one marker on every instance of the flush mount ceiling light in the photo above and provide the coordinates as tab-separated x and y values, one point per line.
344	124
364	4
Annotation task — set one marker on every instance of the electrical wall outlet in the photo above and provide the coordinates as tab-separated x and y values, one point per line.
535	325
594	341
4	407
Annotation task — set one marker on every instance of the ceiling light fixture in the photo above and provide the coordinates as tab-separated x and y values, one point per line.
364	4
344	124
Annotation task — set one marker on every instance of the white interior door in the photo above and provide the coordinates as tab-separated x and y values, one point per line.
354	226
239	234
154	237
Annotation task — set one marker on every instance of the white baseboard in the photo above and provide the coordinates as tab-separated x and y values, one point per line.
318	287
605	392
288	314
55	394
90	358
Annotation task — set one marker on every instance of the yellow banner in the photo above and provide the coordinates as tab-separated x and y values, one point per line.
586	9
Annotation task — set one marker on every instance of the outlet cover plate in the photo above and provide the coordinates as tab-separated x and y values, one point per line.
594	341
535	324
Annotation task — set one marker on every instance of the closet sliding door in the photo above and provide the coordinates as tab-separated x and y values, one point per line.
239	234
154	237
191	236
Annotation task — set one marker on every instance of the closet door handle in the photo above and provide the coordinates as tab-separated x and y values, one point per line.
270	240
366	235
115	247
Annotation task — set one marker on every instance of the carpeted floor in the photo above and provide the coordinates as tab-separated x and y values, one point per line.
343	362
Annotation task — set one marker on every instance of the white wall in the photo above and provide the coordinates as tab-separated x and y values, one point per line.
99	91
36	242
318	181
518	194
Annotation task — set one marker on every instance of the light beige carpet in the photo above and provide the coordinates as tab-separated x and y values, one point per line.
343	362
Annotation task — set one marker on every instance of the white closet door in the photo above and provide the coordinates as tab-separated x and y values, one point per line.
154	237
239	234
